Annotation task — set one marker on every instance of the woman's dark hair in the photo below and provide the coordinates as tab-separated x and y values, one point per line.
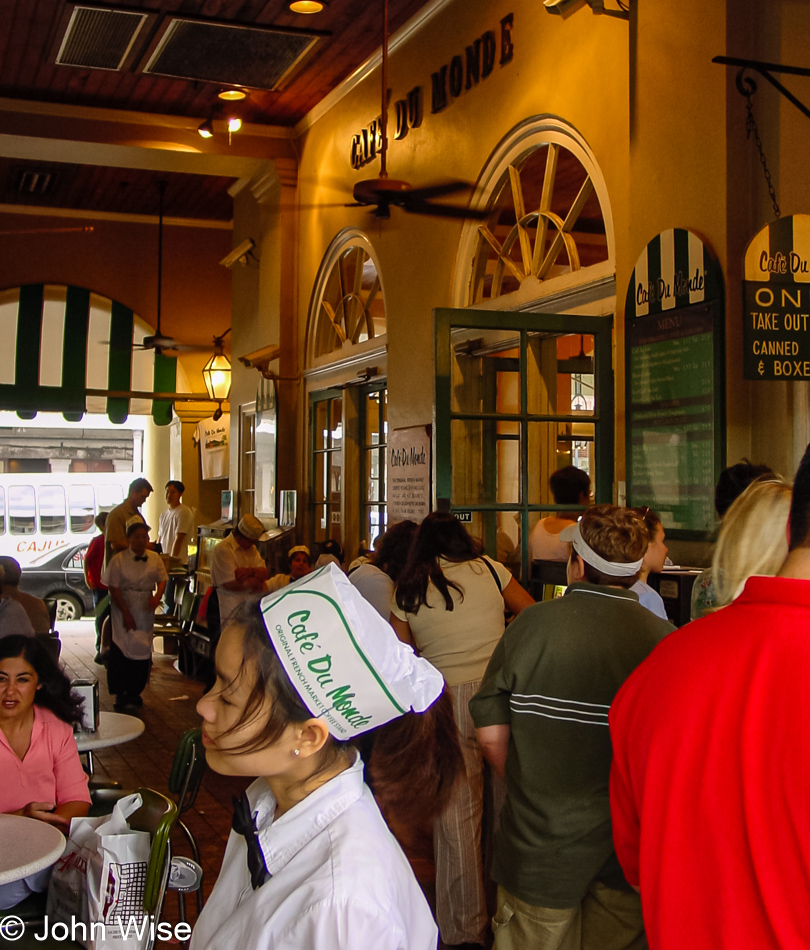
416	758
568	484
392	555
54	687
439	535
335	548
799	519
734	480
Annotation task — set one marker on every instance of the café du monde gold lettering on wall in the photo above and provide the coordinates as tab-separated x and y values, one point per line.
447	83
776	301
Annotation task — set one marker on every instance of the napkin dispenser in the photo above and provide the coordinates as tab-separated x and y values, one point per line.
88	691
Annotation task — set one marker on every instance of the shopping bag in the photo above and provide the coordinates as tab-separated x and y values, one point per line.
100	880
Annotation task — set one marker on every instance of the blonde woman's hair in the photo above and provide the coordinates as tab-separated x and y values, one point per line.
753	539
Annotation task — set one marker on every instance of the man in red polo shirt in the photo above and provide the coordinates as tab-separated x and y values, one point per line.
710	785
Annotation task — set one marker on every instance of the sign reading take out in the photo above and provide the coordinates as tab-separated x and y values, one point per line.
776	301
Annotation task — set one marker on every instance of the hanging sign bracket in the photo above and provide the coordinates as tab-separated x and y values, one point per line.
765	70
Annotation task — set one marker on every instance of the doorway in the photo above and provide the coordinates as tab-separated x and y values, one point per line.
519	395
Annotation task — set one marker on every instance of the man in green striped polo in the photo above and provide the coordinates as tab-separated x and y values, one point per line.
541	717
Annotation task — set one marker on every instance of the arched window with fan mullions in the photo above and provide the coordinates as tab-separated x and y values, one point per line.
346	367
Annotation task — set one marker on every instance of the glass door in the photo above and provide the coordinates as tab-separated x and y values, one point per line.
519	396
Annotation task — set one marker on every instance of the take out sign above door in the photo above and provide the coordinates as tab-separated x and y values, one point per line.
776	301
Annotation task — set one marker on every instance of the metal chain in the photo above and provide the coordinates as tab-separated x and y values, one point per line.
748	90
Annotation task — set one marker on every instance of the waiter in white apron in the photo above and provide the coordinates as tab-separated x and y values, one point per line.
136	578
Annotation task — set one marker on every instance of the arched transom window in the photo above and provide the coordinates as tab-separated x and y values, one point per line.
350	305
546	221
549	228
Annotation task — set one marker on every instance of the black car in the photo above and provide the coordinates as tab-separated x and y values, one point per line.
60	577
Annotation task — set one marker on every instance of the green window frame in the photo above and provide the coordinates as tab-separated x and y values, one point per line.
520	326
326	449
373	421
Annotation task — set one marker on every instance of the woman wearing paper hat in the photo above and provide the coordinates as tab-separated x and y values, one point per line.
310	862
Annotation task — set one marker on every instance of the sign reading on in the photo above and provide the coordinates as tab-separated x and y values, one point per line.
674	398
409	466
776	301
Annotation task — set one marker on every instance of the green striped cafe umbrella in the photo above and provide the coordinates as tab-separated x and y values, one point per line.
66	349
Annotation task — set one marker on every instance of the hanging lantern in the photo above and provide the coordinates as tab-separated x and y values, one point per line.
217	376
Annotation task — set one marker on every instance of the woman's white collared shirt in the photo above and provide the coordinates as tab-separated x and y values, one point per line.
339	879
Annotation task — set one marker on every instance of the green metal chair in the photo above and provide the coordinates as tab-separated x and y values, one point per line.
157	815
185	779
184	782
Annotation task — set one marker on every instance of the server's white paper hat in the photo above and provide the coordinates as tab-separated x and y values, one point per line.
345	662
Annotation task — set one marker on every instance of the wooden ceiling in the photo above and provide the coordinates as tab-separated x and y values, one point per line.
114	190
31	32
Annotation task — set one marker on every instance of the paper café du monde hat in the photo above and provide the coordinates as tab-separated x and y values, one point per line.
251	528
345	662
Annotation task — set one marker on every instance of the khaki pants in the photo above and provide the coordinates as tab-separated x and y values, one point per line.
461	909
605	920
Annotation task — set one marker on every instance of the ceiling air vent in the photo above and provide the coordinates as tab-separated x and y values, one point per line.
100	38
258	57
34	181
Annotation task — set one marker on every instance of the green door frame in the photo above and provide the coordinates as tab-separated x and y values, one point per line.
445	321
381	449
314	398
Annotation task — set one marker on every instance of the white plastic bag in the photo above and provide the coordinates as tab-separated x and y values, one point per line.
101	878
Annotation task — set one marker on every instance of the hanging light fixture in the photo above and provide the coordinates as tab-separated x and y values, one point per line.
217	372
307	6
206	129
232	95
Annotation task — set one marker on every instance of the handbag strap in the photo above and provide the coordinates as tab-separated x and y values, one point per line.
494	574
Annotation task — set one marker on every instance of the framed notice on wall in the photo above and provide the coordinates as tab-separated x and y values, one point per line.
409	468
675	383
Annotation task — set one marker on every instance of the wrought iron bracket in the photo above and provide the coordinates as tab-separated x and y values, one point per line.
765	70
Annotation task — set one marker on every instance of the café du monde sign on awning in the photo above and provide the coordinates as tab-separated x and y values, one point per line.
776	301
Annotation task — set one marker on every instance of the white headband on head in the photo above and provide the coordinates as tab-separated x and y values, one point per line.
344	661
573	535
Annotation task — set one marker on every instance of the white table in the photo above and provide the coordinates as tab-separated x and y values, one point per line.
113	729
28	846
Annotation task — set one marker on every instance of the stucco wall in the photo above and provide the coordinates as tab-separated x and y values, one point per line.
548	74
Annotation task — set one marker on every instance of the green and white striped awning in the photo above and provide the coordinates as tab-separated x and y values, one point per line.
66	349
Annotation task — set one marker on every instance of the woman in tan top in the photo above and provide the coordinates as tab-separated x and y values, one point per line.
449	604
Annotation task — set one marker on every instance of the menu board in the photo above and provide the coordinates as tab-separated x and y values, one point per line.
674	384
671	426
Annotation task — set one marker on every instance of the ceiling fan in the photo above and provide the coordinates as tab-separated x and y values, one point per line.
158	341
383	192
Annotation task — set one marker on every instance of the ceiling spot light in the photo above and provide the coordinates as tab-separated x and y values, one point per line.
232	95
206	129
307	6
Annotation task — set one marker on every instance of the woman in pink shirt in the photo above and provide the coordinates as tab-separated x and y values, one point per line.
39	762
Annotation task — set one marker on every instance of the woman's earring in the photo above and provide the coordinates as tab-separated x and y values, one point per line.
296	752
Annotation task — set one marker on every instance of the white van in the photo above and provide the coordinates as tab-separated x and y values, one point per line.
40	514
